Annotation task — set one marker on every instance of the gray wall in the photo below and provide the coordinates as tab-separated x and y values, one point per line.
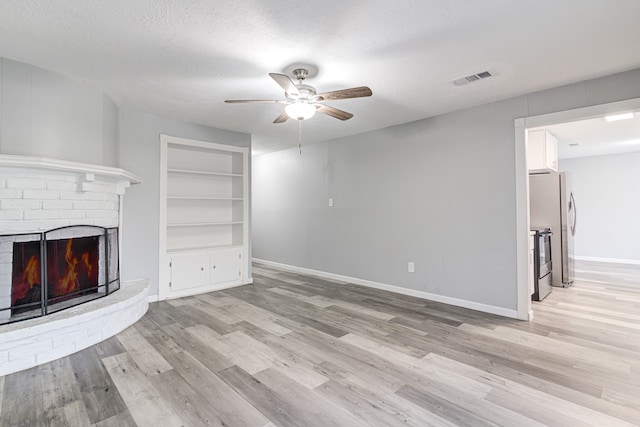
140	154
439	192
607	191
47	115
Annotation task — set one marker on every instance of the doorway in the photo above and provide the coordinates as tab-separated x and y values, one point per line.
522	125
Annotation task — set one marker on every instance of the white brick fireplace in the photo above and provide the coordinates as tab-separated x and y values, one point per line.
38	195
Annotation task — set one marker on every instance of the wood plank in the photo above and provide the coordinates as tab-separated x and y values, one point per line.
99	394
220	312
193	407
59	389
157	314
579	414
296	364
143	354
443	408
317	300
317	411
292	367
323	327
226	345
201	350
144	402
241	310
375	408
231	408
109	347
1	394
123	419
192	316
22	400
275	407
560	386
594	359
74	413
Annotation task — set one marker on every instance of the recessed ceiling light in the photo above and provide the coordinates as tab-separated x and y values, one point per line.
616	117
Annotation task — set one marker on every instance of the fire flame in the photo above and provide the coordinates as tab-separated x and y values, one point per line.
68	282
85	260
30	277
31	274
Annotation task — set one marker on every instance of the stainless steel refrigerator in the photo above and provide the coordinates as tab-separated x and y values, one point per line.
553	205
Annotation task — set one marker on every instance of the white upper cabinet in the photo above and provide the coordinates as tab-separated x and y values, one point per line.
542	152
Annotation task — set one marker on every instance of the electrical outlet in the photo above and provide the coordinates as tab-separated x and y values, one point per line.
411	267
330	202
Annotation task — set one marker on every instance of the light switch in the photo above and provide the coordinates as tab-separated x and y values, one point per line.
411	267
330	202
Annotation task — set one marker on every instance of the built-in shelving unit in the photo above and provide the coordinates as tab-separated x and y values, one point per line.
204	215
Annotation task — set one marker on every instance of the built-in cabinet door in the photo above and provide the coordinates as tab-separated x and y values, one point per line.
204	269
225	266
189	270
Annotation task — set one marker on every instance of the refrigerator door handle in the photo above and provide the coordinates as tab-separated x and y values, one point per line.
572	206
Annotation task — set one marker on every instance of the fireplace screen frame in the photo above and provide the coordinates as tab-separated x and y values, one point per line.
108	275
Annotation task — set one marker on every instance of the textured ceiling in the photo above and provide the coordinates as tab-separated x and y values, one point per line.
182	58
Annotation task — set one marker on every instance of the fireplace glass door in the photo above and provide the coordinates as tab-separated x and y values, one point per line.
60	268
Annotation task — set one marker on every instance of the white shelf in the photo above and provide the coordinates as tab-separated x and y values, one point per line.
203	224
196	172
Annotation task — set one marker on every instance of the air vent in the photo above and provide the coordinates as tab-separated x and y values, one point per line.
472	78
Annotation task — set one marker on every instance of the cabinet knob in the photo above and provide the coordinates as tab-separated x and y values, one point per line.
201	268
214	267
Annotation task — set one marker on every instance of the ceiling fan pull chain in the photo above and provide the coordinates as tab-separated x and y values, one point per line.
300	136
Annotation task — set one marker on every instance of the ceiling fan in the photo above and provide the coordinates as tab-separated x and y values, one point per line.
302	100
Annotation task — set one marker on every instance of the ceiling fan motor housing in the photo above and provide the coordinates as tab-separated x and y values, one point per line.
304	92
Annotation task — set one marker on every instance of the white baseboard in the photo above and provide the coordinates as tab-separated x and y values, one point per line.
156	298
608	260
500	311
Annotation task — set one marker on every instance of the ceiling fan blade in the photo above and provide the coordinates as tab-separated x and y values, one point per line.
281	118
333	112
245	101
285	81
354	92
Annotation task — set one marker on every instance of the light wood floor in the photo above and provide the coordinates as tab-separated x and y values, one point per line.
608	272
293	350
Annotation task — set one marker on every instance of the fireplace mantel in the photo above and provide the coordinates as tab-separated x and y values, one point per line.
122	176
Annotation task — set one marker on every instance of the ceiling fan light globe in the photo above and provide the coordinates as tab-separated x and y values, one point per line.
300	110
